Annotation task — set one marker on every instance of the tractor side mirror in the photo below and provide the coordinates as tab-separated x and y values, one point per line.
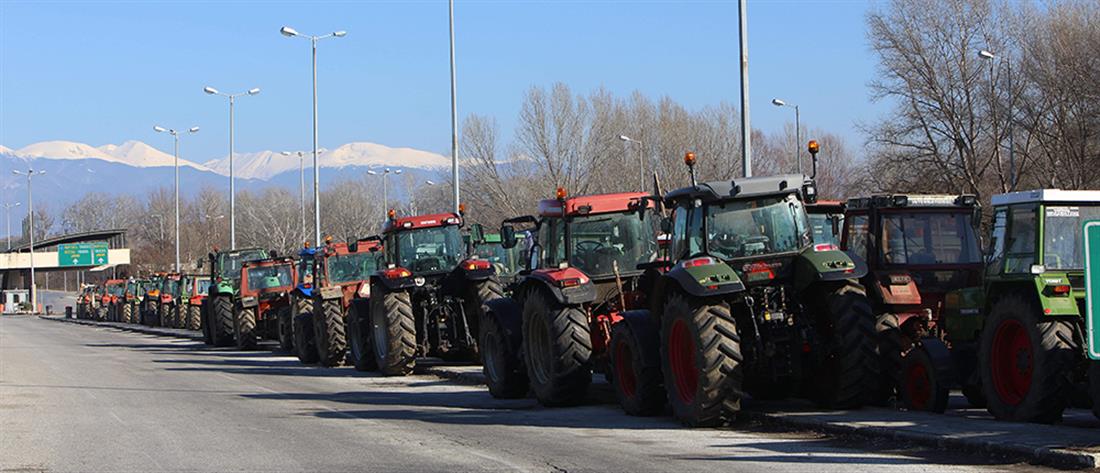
835	220
274	254
477	233
508	236
666	225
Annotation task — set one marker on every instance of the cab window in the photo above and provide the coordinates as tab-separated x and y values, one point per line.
1020	241
857	230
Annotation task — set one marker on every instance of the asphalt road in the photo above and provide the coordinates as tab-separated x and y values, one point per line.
90	399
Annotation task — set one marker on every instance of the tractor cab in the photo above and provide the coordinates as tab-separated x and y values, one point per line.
918	247
170	287
225	267
425	245
347	267
826	220
267	278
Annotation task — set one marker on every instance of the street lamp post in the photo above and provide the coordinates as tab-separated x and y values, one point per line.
176	138
385	197
301	186
30	221
7	209
991	57
641	165
292	33
232	184
454	111
797	130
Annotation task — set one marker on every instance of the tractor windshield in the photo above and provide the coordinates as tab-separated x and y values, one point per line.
738	229
929	238
351	267
1063	247
170	286
231	262
822	227
267	277
202	286
305	270
601	243
114	290
426	250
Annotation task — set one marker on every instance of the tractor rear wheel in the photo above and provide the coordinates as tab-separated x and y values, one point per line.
393	327
504	372
285	328
637	383
888	341
479	293
194	317
1026	362
846	375
101	313
162	316
126	311
923	384
701	361
221	321
244	328
557	348
329	331
360	351
1094	386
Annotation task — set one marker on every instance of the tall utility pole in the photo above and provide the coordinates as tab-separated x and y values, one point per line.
7	208
176	138
454	112
30	220
991	57
746	127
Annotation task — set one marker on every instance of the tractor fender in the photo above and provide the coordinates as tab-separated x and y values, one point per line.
508	314
813	266
331	292
941	359
1055	304
471	270
302	292
249	301
715	279
644	327
554	280
394	284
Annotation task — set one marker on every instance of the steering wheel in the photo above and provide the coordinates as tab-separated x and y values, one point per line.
588	246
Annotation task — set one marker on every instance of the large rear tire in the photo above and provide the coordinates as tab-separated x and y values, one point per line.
557	348
126	312
1026	362
194	317
304	345
637	381
393	327
162	316
330	334
504	372
244	328
221	321
285	328
845	377
360	351
701	361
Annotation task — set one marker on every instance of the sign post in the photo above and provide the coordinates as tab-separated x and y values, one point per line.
1092	287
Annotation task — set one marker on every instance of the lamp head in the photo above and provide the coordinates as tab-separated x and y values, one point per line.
778	102
288	32
253	91
159	129
193	129
340	34
210	90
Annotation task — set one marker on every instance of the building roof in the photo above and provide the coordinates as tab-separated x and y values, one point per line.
98	235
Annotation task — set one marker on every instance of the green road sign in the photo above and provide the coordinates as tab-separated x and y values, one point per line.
82	254
1092	286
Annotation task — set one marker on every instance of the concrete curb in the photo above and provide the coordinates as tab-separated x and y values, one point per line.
1052	456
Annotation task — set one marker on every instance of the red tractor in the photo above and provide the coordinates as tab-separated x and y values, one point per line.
591	259
264	297
112	298
427	299
341	274
192	295
166	301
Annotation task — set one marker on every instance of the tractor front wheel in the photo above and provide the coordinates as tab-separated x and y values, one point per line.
285	328
504	372
126	311
923	384
244	328
194	317
360	352
845	377
557	347
1026	362
701	361
888	341
393	327
329	332
637	380
221	321
304	345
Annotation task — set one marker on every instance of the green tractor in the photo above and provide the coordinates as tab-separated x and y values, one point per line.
508	262
218	321
1026	320
751	304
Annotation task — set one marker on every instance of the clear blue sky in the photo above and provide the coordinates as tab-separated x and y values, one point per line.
105	72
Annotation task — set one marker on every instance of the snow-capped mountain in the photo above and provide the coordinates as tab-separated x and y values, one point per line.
131	153
268	164
6	150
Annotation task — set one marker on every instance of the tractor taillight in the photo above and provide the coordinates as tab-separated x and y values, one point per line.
825	247
702	261
396	273
571	282
477	264
1061	289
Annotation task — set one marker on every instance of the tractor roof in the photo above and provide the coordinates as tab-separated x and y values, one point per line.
1047	196
591	204
421	221
360	246
242	250
268	262
112	282
902	201
745	188
825	206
